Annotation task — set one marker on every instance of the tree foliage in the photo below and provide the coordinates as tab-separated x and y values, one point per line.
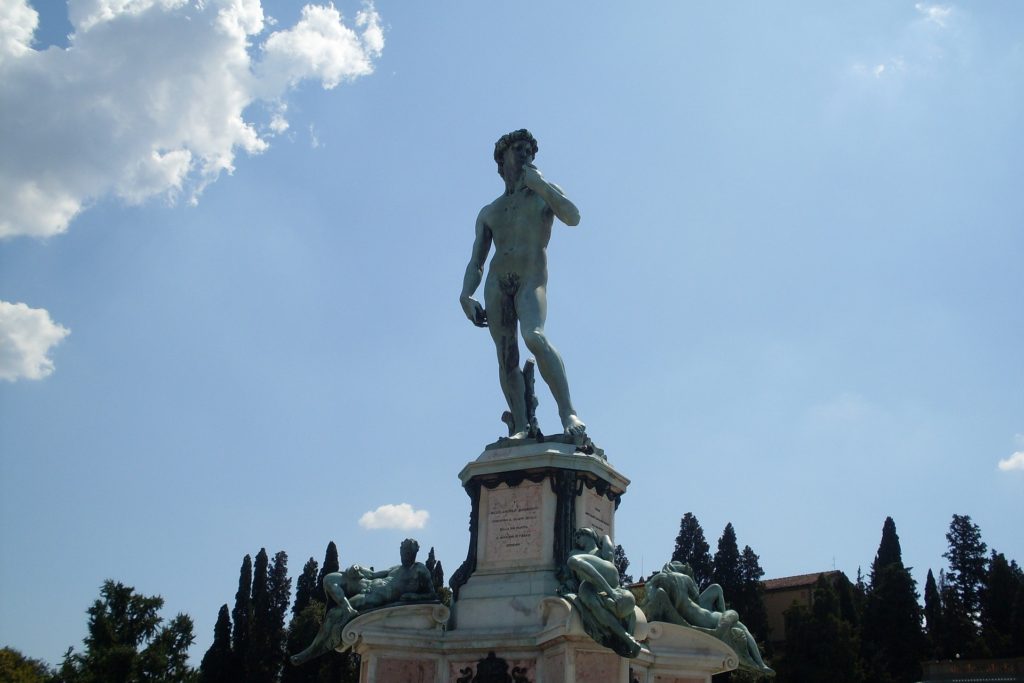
893	643
128	642
305	587
725	570
218	665
621	563
933	616
750	600
691	547
1004	583
17	668
241	616
967	563
820	645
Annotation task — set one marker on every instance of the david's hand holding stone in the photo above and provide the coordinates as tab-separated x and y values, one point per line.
474	311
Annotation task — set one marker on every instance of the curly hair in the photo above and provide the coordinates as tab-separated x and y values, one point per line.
506	140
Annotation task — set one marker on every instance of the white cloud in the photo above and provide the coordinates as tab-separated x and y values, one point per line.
320	46
1014	462
18	23
26	337
148	98
935	14
401	516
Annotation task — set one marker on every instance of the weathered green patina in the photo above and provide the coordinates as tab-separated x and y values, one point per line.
518	223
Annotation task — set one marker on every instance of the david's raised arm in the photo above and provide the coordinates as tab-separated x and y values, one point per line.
562	207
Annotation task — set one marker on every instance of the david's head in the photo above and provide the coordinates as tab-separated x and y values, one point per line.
513	150
408	551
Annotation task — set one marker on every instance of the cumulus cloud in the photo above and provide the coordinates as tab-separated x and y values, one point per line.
149	99
1014	462
26	337
401	516
18	24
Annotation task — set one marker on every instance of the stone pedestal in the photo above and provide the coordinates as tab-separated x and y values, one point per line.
526	502
507	621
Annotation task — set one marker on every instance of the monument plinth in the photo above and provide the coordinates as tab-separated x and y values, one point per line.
508	620
526	502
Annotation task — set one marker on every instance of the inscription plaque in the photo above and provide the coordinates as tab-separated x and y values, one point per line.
514	523
597	513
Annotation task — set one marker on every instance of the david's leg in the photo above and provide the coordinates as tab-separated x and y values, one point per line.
506	342
532	306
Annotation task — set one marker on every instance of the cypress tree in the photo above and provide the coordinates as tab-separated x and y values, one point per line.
279	587
305	587
726	567
933	616
889	551
893	643
217	665
329	566
750	601
241	615
301	632
258	668
621	563
691	547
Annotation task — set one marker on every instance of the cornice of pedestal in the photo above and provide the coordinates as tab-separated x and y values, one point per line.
536	457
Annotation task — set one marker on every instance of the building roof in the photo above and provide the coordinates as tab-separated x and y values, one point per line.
800	581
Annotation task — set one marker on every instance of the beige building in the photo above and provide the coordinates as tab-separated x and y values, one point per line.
781	594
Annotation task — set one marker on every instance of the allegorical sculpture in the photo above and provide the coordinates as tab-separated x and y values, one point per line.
518	223
358	589
672	596
606	609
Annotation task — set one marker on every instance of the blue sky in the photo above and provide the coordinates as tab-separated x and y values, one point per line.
234	237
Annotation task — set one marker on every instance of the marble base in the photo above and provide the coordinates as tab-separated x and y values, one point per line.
507	621
409	643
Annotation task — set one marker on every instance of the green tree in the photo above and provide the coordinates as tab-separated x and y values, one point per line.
691	547
750	601
1003	582
725	568
961	589
17	668
263	660
128	642
241	616
967	563
820	645
933	616
849	601
218	665
329	566
621	563
305	587
892	640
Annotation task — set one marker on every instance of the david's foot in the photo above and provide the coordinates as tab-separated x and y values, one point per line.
573	425
518	435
